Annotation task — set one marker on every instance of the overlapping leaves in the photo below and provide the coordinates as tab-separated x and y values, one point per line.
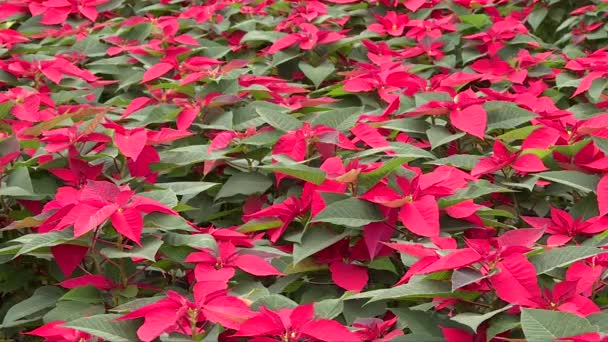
329	170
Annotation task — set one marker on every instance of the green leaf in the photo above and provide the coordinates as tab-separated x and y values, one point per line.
355	309
367	180
501	324
477	20
185	155
528	183
85	294
18	184
136	304
462	161
574	179
306	265
314	240
262	139
137	32
559	257
421	99
300	171
342	119
283	56
537	16
44	297
244	184
33	242
9	145
417	287
596	89
474	320
269	36
584	111
407	125
278	119
600	320
260	224
5	107
274	302
517	134
166	222
147	250
400	149
128	292
166	197
419	322
382	264
211	335
69	310
439	135
572	149
187	188
409	151
586	208
547	325
336	90
601	143
107	327
473	190
465	276
317	74
197	241
351	212
503	114
329	308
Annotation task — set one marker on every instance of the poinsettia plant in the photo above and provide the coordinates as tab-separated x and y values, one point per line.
287	170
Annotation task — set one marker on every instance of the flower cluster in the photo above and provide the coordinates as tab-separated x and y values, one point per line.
296	171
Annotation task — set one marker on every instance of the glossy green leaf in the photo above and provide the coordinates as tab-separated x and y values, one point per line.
546	325
187	188
300	171
317	74
107	327
549	260
350	212
44	298
505	115
278	119
314	240
244	184
148	249
574	179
